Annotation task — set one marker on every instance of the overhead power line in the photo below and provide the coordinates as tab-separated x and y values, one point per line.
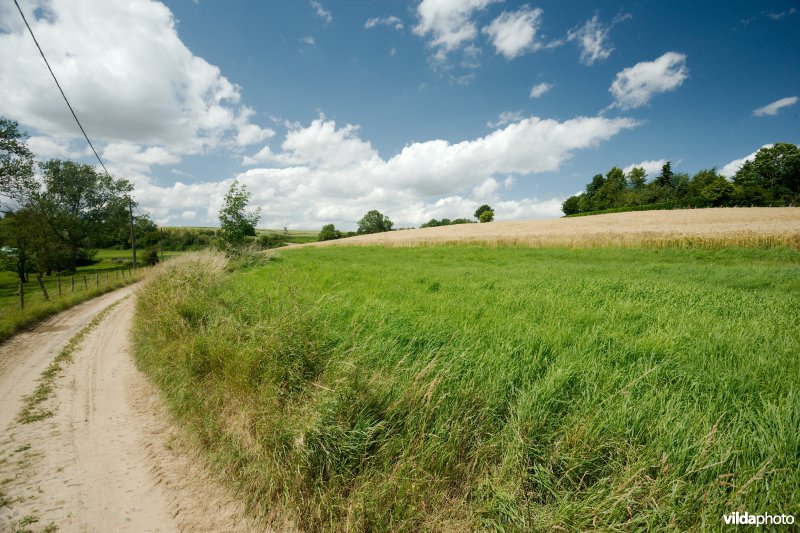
60	89
130	200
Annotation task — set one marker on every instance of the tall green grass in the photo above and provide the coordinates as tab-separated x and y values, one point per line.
463	388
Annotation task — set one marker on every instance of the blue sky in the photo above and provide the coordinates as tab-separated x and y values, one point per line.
327	109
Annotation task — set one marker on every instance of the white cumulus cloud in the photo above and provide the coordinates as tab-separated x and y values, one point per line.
636	85
773	108
127	74
506	117
652	167
391	21
514	33
592	39
448	23
540	88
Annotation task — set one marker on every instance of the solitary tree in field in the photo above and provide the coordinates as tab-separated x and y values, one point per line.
329	233
236	223
486	216
374	222
482	209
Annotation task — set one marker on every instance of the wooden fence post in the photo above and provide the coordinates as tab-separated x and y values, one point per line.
96	279
72	281
41	286
21	295
58	282
85	283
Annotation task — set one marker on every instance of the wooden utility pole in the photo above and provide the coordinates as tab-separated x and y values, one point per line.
133	232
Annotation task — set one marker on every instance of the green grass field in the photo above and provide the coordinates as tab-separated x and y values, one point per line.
463	388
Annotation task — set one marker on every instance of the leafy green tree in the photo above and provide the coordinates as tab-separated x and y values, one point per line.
482	209
773	174
236	223
486	216
16	164
329	233
81	204
665	178
718	193
571	205
374	222
637	178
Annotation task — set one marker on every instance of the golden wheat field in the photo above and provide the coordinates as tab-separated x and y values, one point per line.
736	226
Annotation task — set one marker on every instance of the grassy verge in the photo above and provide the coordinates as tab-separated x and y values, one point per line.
13	319
462	388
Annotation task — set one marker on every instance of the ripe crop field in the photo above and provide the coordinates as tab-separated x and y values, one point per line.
753	226
469	387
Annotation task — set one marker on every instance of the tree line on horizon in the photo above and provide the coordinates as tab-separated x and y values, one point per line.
376	222
772	178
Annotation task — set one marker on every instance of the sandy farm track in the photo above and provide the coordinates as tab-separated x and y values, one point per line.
108	459
728	226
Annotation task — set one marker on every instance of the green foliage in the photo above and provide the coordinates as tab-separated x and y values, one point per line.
432	223
771	179
482	209
150	257
374	222
52	223
16	163
329	233
571	205
486	216
236	223
378	389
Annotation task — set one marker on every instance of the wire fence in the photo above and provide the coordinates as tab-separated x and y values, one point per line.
41	289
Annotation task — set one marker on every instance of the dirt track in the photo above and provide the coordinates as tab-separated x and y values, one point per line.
108	459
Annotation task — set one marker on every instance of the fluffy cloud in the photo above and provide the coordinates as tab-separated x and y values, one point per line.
773	108
324	173
540	89
636	85
391	21
514	33
652	166
182	103
592	38
731	168
448	23
321	12
506	117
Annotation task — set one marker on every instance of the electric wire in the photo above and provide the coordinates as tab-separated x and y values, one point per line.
60	89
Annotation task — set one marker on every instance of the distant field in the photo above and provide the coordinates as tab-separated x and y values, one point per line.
460	388
759	226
